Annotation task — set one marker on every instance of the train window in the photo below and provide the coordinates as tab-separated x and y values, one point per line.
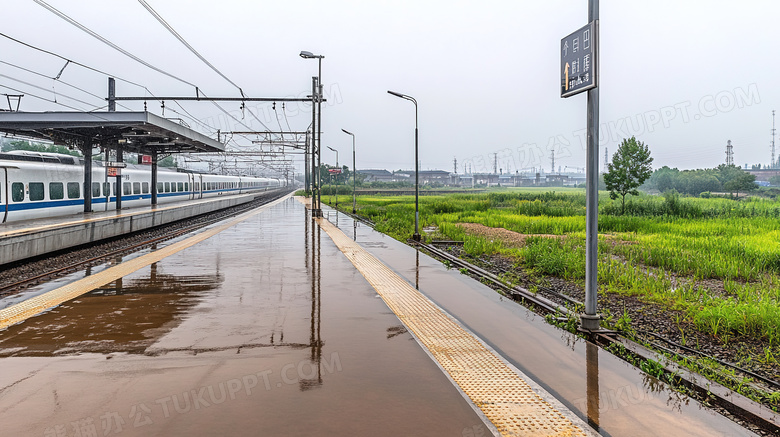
136	188
159	187
180	185
36	191
115	191
95	189
145	187
106	189
197	186
186	186
173	187
56	191
17	191
126	189
74	191
167	187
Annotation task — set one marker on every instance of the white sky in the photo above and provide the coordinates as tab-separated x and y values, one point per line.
689	75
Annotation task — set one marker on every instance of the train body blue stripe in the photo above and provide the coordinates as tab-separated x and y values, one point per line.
101	200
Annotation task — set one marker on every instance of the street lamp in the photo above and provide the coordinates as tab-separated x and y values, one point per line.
337	177
416	236
354	169
309	55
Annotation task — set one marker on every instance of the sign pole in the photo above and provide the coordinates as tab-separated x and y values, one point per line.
590	320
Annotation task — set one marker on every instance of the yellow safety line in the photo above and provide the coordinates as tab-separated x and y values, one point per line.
38	304
505	398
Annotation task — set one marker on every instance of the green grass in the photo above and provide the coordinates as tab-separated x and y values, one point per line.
658	251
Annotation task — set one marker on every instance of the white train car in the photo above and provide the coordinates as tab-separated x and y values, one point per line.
35	185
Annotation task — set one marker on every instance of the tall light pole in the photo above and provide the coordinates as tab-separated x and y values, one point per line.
337	177
416	235
309	55
354	169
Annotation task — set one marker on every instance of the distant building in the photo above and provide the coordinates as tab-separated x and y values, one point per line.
377	175
429	176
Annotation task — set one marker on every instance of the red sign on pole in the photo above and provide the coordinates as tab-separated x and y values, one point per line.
113	171
334	170
146	159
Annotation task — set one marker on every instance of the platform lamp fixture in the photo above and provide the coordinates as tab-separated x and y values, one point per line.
309	55
416	236
354	169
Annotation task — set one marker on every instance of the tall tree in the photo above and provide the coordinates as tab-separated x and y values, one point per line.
744	182
630	168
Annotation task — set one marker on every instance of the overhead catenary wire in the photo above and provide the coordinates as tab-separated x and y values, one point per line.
46	89
181	39
105	41
146	89
52	101
58	80
186	44
130	55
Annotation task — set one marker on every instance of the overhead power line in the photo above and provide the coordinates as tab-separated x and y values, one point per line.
74	62
105	41
58	81
186	44
45	89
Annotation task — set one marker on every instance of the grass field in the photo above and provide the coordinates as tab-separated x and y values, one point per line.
666	250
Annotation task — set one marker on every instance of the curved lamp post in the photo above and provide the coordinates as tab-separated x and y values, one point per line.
354	169
309	55
416	236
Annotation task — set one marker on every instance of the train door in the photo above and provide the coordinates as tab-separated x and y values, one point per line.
191	180
199	179
4	193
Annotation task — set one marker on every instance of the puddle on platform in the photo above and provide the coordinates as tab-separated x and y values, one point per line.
124	316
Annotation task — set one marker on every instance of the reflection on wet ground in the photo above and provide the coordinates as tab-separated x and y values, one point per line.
263	329
125	316
614	397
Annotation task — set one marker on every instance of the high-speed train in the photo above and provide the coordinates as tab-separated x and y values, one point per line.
35	185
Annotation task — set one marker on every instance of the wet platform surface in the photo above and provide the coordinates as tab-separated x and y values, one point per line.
263	329
614	397
267	329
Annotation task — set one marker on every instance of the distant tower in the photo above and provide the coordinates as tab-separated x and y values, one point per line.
455	165
552	161
495	163
774	163
729	153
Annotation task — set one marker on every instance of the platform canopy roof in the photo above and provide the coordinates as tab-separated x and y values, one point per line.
140	132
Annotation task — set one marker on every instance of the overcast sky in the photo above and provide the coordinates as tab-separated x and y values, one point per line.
684	77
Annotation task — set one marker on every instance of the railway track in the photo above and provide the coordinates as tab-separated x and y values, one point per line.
26	274
734	403
751	414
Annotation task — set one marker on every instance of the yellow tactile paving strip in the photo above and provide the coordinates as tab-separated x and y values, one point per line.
38	304
505	398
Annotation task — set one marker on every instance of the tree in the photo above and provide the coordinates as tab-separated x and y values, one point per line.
39	147
630	168
744	182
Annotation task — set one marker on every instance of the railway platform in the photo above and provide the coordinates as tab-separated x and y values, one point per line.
274	323
30	238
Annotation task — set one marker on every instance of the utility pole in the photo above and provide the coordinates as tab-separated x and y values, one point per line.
729	153
606	158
